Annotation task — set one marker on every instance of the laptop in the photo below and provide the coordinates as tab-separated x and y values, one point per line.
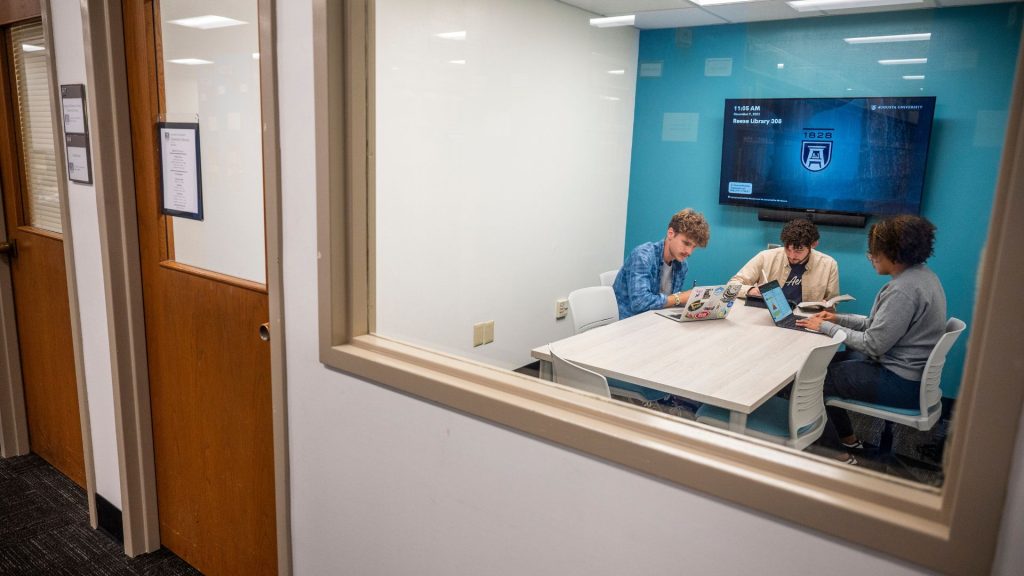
778	306
705	303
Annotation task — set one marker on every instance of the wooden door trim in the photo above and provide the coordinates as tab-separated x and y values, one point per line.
274	227
114	181
12	11
215	276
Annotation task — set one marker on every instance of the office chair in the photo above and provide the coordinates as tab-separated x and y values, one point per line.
930	408
796	422
570	374
608	278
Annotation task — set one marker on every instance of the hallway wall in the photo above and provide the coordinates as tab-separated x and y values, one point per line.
92	303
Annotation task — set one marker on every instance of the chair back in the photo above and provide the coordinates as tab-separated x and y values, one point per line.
608	278
807	401
592	307
931	378
576	376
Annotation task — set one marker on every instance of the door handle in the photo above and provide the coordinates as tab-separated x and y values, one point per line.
265	331
10	248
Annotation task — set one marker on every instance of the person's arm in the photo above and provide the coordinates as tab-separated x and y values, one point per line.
750	275
640	296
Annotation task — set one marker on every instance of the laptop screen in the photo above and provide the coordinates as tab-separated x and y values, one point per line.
775	300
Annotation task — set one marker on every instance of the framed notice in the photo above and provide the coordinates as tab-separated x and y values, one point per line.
76	151
181	181
72	100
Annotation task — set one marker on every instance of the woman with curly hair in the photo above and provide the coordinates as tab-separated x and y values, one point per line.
886	351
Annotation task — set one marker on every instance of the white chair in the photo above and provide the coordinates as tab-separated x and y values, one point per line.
930	409
569	374
608	278
592	307
796	422
596	306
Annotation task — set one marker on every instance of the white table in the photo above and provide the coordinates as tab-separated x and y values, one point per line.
737	363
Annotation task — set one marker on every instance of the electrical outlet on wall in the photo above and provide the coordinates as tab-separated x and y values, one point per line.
483	333
561	308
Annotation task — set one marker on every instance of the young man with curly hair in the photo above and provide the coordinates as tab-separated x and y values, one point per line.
654	277
886	351
654	274
805	274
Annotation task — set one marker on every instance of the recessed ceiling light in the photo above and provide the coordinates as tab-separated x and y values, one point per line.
611	98
897	61
456	61
190	61
31	48
617	72
718	2
891	38
780	65
919	77
458	35
805	5
207	22
613	21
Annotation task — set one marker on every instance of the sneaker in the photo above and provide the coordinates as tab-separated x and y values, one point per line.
858	446
851	461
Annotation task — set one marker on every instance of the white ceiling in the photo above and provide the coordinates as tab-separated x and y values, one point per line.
681	13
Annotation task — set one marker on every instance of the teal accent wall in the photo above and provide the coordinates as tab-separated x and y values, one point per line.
971	56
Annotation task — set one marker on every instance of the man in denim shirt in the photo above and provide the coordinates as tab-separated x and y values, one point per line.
654	274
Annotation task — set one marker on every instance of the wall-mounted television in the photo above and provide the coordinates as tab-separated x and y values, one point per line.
844	155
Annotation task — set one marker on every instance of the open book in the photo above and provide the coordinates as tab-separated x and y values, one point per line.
826	304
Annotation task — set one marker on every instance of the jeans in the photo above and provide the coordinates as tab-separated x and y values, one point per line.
854	376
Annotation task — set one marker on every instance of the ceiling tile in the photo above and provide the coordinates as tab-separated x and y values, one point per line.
682	18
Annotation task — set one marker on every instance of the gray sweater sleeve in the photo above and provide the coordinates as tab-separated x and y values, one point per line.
874	336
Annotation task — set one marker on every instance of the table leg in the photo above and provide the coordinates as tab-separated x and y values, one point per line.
546	373
737	421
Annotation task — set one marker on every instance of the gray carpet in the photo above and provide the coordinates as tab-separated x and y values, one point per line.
44	529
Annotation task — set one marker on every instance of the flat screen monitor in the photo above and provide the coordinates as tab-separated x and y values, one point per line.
843	155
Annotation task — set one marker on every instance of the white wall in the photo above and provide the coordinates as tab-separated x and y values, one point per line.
382	483
502	168
92	306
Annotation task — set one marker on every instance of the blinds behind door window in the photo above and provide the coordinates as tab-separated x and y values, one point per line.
40	198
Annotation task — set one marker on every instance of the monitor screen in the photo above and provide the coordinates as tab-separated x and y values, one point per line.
845	155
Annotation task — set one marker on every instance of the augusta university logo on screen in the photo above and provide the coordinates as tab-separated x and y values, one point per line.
816	153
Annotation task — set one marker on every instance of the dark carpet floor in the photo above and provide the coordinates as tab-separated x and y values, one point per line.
44	529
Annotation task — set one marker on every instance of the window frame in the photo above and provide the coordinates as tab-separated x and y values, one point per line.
953	530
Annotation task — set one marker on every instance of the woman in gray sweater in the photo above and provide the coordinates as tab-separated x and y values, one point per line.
886	351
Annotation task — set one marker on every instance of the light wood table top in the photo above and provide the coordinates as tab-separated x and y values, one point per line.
736	363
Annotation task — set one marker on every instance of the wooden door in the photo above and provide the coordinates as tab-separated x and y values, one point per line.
31	207
209	370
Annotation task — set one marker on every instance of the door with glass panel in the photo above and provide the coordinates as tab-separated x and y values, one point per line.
196	63
34	248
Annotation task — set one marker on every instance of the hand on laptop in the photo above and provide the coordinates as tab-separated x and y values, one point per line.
814	322
753	291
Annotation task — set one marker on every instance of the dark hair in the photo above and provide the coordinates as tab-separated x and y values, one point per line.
692	223
798	233
904	239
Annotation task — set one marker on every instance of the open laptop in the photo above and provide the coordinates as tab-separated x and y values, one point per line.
705	303
778	306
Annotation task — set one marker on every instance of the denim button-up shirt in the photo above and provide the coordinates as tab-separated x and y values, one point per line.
638	284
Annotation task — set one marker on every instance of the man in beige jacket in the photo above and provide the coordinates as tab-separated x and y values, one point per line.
805	274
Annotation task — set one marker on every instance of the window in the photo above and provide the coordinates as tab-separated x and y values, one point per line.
949	530
41	200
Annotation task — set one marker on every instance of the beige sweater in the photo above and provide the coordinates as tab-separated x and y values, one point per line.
820	280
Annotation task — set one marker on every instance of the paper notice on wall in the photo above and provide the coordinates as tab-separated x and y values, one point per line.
679	126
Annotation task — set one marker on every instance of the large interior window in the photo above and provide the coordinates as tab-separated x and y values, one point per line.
482	184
